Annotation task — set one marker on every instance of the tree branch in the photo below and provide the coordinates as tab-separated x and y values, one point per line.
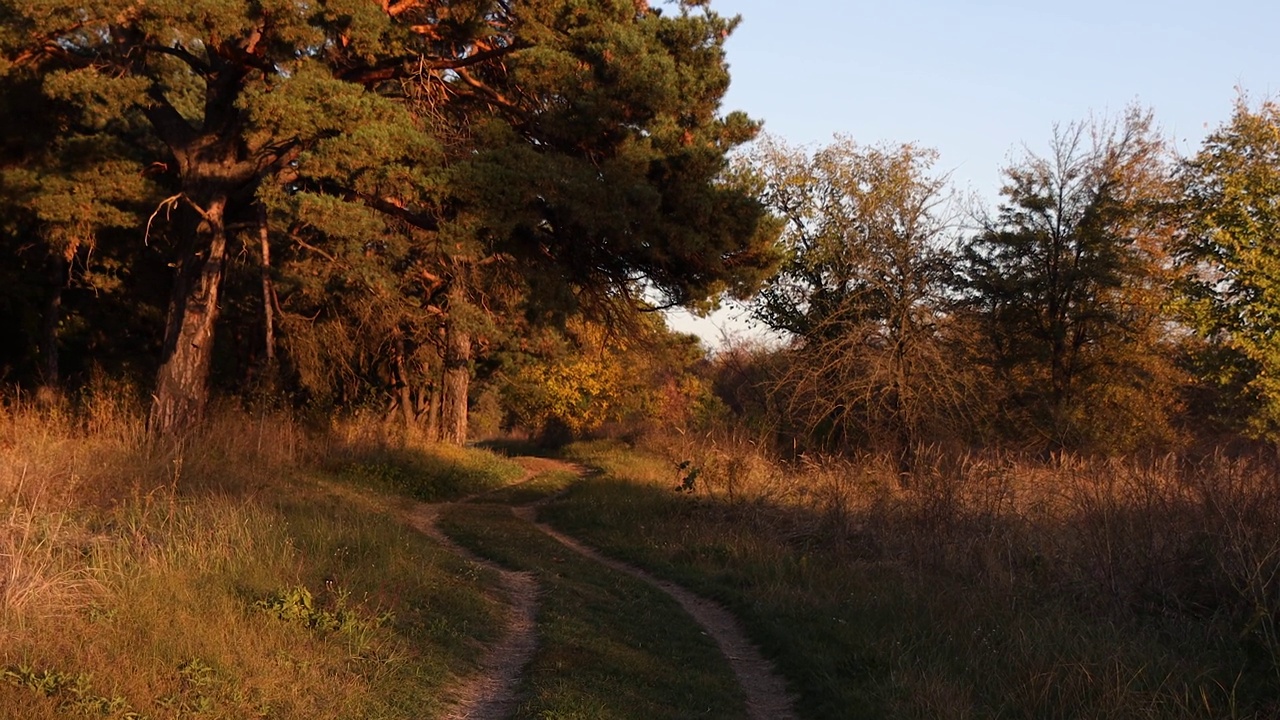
201	67
421	221
48	46
303	244
173	129
493	95
418	220
408	65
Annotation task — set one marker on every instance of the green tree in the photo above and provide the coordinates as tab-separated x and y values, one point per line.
1070	281
66	204
863	291
233	95
1231	191
410	145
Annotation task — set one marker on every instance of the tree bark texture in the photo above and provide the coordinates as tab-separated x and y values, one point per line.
216	169
433	412
268	317
457	372
182	384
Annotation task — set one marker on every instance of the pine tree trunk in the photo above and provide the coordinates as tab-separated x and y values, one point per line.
426	410
457	372
49	375
404	389
406	408
433	413
268	316
457	377
182	391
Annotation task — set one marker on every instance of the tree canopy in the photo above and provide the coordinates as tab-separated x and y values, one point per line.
863	289
408	161
1071	281
1231	191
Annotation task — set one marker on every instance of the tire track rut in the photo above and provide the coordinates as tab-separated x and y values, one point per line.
492	693
766	693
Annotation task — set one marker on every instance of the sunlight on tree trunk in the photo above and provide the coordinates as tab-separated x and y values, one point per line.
182	386
268	316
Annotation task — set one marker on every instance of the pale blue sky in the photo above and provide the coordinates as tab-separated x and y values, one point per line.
978	79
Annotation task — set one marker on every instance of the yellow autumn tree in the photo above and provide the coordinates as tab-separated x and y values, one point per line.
577	381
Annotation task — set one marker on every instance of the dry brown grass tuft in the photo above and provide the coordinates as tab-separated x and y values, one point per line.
42	471
59	465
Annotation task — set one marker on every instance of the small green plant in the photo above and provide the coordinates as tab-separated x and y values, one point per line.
74	693
298	605
197	673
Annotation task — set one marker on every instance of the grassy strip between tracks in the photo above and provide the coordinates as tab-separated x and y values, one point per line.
609	646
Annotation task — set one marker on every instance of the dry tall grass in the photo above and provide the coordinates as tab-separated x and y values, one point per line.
133	572
1171	556
1168	535
59	466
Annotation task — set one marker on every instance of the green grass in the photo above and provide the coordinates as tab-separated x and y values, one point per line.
220	579
863	635
537	488
437	474
609	646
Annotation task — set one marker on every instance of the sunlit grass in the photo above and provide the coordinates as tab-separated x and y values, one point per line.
429	474
218	577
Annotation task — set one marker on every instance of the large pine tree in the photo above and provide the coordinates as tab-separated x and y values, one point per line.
410	145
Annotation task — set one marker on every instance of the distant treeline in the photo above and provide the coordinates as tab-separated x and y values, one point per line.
1118	299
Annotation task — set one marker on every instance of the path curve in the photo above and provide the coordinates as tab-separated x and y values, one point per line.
766	693
490	694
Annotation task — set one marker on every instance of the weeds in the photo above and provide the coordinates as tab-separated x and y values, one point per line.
298	605
74	694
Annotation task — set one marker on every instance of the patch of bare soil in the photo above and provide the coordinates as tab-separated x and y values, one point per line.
766	693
